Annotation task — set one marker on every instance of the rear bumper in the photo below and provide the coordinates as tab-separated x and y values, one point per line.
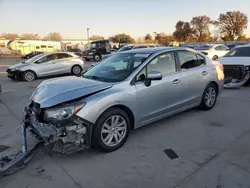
235	75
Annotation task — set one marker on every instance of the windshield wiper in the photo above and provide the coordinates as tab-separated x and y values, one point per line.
93	77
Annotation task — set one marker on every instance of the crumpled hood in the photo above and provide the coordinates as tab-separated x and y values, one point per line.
235	61
19	66
59	90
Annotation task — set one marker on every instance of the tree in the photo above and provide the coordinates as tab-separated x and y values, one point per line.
232	24
148	37
53	36
96	37
118	37
28	36
200	26
242	38
164	39
10	36
183	31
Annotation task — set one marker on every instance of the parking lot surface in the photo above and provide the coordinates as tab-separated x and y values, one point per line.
213	149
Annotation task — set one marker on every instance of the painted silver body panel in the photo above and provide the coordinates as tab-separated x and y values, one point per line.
147	104
51	92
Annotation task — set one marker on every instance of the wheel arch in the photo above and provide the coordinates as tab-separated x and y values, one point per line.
30	71
76	65
125	109
216	85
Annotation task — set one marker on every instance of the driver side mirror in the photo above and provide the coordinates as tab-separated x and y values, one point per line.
153	75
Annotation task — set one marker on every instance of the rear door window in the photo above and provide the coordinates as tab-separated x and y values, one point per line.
63	55
224	48
190	60
47	58
218	48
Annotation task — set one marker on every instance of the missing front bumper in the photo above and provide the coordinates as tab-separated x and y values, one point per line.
67	137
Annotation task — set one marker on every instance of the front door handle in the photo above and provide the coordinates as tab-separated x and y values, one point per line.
176	81
204	72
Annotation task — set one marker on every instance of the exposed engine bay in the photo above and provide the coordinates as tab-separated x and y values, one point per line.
236	75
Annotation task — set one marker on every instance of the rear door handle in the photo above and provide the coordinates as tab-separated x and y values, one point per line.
176	81
204	72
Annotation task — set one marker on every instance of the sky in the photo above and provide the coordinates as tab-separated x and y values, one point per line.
71	18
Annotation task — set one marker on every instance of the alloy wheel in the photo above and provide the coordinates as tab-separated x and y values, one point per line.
113	130
29	76
210	96
76	70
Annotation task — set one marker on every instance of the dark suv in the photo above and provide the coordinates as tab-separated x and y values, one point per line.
96	50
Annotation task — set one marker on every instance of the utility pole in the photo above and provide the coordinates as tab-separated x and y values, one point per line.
88	34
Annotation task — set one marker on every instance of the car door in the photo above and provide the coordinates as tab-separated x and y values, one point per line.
162	96
45	66
63	63
193	75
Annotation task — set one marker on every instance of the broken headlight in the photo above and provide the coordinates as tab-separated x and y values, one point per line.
62	113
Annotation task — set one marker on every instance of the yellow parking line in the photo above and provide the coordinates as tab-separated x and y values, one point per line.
5	65
3	73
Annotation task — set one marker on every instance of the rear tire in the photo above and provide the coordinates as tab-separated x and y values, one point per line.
209	97
29	76
76	70
97	57
215	57
108	136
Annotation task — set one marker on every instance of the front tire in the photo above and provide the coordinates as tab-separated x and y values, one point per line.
29	76
209	97
111	130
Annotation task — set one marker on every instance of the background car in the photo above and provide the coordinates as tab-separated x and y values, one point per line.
213	51
96	50
237	66
124	92
46	64
32	54
127	48
76	51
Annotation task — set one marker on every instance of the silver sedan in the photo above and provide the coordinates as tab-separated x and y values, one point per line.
124	92
46	64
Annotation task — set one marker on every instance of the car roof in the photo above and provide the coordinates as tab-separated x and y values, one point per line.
243	46
70	53
156	50
100	41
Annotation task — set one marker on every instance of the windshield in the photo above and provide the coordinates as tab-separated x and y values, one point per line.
125	48
239	52
92	45
34	58
205	47
116	68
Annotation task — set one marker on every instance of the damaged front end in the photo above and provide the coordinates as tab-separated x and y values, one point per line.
59	126
236	75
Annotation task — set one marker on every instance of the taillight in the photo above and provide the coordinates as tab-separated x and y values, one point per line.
221	67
